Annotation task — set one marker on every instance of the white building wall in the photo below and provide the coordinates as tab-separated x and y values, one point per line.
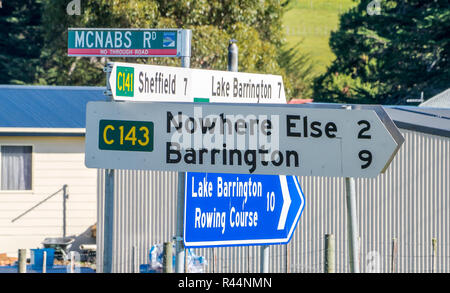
56	161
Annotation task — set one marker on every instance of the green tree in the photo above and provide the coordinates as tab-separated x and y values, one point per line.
21	40
298	71
255	24
57	68
388	55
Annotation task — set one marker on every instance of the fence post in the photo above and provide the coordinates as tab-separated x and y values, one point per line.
215	261
44	262
72	262
394	256
133	259
167	257
22	261
329	254
434	257
186	261
65	197
264	255
288	257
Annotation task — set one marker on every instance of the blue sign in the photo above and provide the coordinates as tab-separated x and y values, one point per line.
240	209
169	39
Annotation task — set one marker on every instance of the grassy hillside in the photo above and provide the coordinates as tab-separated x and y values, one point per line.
311	21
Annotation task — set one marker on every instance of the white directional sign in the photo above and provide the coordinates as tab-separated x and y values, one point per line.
240	138
137	82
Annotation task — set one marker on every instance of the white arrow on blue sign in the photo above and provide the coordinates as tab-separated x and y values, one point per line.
240	209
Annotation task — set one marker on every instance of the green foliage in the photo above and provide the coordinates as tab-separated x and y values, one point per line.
298	71
57	67
388	57
255	24
210	21
310	23
34	38
21	40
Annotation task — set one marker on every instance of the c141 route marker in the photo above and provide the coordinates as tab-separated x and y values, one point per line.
138	82
247	139
236	209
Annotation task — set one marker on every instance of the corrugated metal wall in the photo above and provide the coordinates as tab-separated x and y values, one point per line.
410	202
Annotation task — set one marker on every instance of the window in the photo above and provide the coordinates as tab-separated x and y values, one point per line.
15	171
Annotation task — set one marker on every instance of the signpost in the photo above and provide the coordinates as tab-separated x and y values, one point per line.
233	66
236	209
239	138
106	42
138	82
255	141
98	42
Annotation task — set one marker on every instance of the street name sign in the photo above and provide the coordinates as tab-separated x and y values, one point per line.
354	141
140	82
116	42
238	209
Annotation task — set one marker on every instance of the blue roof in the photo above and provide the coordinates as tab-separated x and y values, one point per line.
429	120
423	119
65	107
46	106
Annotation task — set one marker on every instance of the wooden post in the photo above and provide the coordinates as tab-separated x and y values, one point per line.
167	257
434	256
22	262
329	255
44	262
394	256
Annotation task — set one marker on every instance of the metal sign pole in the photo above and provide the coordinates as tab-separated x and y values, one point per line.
233	56
109	180
233	62
233	66
180	250
108	225
352	220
